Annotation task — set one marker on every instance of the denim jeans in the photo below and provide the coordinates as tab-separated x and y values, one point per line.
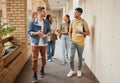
50	49
73	47
65	46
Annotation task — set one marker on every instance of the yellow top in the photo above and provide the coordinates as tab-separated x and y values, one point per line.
78	39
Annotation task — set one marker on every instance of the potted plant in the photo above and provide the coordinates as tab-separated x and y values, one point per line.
6	29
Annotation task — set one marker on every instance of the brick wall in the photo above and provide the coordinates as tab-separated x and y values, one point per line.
1	60
4	10
16	14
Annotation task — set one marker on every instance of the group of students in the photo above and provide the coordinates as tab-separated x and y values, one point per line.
42	38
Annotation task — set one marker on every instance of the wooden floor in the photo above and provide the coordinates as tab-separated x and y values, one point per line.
56	72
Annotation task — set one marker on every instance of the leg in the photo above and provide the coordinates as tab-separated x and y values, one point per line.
67	45
43	59
43	55
80	52
72	54
53	48
63	48
34	58
34	62
48	50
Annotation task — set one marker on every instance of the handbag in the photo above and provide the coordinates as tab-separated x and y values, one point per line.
53	37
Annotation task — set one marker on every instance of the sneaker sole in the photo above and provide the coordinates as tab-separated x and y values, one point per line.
71	75
35	81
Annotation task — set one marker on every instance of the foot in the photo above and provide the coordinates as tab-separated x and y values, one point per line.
79	74
71	73
49	60
35	80
63	63
42	72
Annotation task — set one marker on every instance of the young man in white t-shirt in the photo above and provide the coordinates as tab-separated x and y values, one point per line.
38	30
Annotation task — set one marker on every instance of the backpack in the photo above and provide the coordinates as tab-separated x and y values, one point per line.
83	21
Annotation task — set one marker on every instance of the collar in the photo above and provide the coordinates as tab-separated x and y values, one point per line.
78	20
36	20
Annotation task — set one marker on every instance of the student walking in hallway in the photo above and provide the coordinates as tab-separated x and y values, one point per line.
38	31
78	30
64	28
51	40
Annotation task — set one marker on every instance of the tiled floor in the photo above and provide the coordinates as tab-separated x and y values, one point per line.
56	72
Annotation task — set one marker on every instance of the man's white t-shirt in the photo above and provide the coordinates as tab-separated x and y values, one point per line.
41	43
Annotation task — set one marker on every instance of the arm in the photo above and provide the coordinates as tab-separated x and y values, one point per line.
87	31
70	31
48	31
30	30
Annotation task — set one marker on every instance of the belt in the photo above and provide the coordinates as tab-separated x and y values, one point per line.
64	33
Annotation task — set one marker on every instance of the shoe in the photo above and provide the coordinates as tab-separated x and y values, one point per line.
63	63
49	60
35	80
70	74
79	74
42	72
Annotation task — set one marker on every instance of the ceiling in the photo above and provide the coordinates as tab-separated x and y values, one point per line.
56	4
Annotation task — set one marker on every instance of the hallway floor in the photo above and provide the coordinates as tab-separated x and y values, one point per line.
55	72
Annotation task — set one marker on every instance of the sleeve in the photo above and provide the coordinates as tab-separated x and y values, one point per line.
49	28
30	28
86	26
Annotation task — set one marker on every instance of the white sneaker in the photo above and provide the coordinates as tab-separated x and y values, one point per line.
79	74
70	73
49	60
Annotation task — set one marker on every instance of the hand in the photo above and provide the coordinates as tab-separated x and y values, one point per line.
43	36
70	37
40	34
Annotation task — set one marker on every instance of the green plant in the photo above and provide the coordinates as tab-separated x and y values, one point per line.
7	29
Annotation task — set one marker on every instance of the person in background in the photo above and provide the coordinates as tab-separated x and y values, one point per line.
34	15
39	30
78	31
64	30
51	40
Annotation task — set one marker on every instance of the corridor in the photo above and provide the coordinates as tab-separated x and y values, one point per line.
101	50
55	72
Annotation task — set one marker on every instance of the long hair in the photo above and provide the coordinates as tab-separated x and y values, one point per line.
68	18
47	17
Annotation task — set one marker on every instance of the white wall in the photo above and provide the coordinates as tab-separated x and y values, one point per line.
102	47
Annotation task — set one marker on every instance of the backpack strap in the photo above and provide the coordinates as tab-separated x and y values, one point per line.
83	21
